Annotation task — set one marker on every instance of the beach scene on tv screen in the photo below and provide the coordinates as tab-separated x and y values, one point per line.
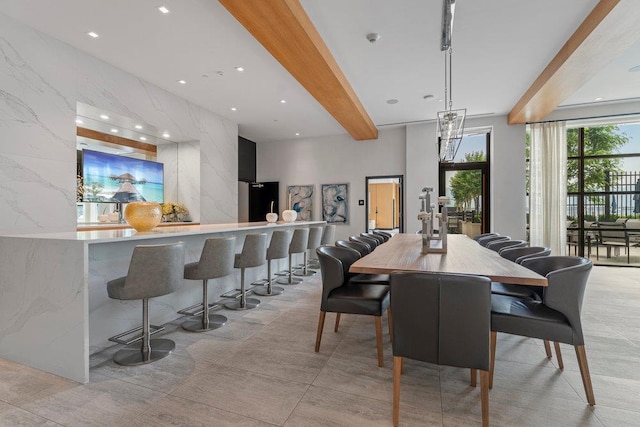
110	178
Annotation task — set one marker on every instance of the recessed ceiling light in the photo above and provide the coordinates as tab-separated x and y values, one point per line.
283	101
392	101
142	138
297	133
78	121
239	69
182	82
635	69
599	98
114	130
93	34
166	135
138	126
163	9
104	117
234	109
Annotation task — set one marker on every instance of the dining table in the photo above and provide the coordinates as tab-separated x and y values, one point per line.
403	252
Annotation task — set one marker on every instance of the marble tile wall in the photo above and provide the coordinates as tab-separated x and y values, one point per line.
41	79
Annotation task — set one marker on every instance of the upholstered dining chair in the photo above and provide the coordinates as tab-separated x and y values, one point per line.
499	245
443	319
486	240
555	318
339	295
483	235
379	239
363	278
372	243
518	255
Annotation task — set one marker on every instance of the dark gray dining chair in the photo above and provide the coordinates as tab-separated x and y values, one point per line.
375	237
363	278
555	318
362	248
499	245
442	319
483	235
486	240
372	243
341	296
518	255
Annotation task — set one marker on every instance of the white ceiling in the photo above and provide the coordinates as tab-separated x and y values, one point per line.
500	47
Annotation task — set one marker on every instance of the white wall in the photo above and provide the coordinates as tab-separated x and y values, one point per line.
333	160
41	79
507	172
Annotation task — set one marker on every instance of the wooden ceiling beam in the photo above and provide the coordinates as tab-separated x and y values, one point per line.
286	31
608	31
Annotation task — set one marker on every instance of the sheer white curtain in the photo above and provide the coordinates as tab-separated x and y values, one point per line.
548	186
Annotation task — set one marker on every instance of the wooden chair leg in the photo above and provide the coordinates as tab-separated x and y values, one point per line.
547	349
474	377
390	323
494	339
402	365
556	344
379	340
397	371
335	328
484	397
320	328
584	372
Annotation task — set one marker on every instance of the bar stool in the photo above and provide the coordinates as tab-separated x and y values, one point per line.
154	270
328	236
313	242
254	254
278	248
216	260
298	245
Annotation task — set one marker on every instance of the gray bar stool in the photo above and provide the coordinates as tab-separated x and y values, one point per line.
154	270
298	245
216	260
278	248
313	242
328	237
254	254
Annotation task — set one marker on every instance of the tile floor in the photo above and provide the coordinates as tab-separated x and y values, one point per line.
261	370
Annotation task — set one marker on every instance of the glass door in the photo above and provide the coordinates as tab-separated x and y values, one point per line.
466	182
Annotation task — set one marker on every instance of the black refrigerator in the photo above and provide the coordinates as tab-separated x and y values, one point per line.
261	194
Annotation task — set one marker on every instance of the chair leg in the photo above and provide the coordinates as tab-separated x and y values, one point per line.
397	370
335	328
494	339
484	397
474	377
584	372
547	349
390	323
556	344
379	340
320	328
402	365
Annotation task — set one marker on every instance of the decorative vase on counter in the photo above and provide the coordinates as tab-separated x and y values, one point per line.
289	215
143	216
272	217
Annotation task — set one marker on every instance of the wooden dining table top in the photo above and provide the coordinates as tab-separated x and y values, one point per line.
464	256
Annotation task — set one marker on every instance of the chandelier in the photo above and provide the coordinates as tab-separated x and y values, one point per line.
450	126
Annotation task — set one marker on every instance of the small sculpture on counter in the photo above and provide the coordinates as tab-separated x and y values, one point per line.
432	243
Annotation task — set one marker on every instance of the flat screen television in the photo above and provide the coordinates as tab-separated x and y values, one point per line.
109	178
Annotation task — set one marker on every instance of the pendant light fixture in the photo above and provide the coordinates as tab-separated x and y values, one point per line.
450	122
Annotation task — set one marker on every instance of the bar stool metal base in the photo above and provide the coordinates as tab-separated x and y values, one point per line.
289	281
198	324
305	272
264	291
249	303
132	354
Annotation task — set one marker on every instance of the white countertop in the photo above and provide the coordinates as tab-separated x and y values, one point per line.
107	236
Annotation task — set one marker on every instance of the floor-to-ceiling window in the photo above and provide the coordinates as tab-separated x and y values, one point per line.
466	182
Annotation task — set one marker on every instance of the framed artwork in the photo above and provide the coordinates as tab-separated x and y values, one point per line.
335	203
301	201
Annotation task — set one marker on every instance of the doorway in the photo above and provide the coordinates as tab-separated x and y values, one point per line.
384	203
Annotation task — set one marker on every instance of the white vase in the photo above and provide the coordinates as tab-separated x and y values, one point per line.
289	215
272	217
